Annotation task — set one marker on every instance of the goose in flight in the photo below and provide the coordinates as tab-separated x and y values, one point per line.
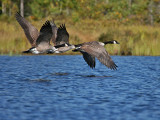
93	49
40	41
42	44
60	38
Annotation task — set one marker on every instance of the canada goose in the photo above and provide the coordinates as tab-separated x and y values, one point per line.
60	37
40	41
42	44
90	50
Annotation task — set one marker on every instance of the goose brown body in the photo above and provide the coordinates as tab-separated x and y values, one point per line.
93	49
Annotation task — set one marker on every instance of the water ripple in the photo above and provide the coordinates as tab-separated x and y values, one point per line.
41	87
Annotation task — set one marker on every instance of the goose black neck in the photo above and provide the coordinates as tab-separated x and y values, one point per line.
108	42
78	45
58	46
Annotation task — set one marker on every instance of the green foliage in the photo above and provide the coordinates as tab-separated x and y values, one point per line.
118	10
40	8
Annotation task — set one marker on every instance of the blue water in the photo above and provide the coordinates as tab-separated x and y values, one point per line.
65	88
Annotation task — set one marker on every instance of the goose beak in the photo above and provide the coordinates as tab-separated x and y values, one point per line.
118	43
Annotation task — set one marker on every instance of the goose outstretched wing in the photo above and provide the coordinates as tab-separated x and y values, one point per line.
54	31
90	60
62	35
45	34
98	51
30	31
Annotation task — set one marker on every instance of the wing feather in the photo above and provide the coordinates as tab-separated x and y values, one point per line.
98	51
30	31
62	35
54	31
90	60
45	33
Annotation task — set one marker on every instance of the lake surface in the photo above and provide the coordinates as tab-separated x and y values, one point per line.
65	88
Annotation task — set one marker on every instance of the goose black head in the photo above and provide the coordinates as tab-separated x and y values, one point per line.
115	42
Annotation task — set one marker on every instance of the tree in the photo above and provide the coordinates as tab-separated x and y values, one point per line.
22	8
3	7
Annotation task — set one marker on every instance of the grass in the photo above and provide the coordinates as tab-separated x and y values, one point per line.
134	39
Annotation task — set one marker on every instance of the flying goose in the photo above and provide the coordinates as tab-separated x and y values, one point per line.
60	37
93	49
40	41
42	44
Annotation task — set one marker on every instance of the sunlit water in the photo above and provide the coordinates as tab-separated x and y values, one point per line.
65	88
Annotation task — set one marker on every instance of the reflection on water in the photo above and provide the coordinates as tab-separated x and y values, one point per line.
65	88
59	74
40	80
94	76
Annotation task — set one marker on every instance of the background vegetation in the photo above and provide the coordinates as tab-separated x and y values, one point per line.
134	23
